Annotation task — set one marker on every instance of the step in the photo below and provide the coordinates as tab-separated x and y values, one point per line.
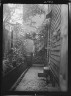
41	75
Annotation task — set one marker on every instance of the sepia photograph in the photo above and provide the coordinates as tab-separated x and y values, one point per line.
35	47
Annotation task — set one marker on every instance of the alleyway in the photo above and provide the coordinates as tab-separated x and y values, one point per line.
35	39
31	81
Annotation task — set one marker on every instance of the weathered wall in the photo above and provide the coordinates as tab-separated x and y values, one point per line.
64	47
54	54
6	40
59	42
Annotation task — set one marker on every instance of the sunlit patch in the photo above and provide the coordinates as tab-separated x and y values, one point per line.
11	5
46	6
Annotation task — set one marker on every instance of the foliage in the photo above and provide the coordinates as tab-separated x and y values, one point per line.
12	59
7	66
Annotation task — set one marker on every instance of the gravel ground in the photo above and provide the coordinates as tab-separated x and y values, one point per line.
31	81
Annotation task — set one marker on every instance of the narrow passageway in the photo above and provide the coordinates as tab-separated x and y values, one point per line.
35	41
31	81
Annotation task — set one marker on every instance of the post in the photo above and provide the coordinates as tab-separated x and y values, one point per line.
12	39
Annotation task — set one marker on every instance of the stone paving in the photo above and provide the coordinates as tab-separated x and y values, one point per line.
31	81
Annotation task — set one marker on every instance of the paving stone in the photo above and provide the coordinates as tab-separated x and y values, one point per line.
31	81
